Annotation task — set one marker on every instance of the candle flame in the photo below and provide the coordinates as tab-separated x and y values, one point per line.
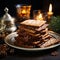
40	17
50	8
23	12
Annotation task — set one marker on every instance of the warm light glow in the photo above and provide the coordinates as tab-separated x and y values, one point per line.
50	8
23	12
50	13
39	17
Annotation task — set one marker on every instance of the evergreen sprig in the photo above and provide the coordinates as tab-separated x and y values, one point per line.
55	24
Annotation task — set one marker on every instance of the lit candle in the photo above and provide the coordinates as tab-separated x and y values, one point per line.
39	17
50	13
23	12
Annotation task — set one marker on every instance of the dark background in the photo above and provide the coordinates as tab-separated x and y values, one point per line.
36	4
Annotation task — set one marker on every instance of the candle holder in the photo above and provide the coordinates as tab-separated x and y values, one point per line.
23	11
39	15
50	13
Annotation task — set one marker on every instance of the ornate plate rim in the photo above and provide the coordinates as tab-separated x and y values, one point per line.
27	49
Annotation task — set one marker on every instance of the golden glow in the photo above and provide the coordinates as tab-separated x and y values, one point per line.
50	13
23	12
50	8
39	17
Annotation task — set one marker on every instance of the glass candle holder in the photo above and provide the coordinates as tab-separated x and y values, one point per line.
39	15
23	11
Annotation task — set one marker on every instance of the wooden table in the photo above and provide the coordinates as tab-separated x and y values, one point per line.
37	55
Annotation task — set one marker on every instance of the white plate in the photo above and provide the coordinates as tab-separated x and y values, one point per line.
10	41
